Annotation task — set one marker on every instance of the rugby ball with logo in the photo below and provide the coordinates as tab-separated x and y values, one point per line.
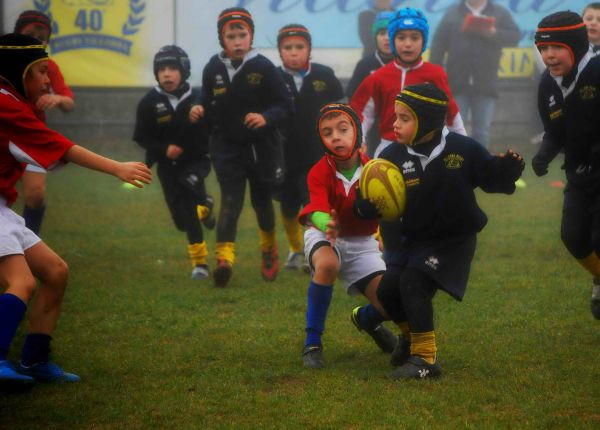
381	182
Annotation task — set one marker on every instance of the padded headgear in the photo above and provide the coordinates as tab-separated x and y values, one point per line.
342	108
291	30
382	19
565	29
17	54
175	56
408	19
32	16
429	106
235	14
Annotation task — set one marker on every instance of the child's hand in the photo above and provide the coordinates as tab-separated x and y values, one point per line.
512	164
333	228
364	208
539	165
134	172
48	101
254	121
173	151
196	112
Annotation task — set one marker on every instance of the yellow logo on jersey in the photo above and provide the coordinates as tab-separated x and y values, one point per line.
254	78
588	92
319	86
219	91
412	182
555	114
453	161
163	119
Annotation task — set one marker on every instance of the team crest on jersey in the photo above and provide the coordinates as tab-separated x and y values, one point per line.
408	167
254	78
453	161
588	92
319	86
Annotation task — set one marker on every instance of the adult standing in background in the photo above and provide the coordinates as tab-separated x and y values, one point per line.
365	24
472	33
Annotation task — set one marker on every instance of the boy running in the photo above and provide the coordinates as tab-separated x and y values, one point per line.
312	86
24	138
179	148
245	100
569	105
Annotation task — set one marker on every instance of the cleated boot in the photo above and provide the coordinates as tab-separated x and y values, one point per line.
270	264
200	272
415	367
47	372
222	273
10	379
312	356
401	352
383	337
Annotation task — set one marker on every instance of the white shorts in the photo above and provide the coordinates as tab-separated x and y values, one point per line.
15	238
34	168
359	256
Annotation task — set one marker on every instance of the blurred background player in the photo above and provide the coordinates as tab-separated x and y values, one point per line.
36	24
245	100
591	18
433	243
365	23
179	148
569	105
375	98
469	41
337	244
367	65
312	86
24	258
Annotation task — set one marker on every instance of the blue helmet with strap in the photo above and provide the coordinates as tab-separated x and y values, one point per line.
408	19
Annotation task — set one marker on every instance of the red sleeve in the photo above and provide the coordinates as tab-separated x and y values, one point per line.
318	191
362	95
57	81
442	83
34	140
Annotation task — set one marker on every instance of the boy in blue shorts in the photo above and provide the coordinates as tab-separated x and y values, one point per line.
179	148
245	100
337	243
312	86
24	258
431	247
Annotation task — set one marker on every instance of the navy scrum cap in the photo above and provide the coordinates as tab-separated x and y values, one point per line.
17	54
342	108
565	29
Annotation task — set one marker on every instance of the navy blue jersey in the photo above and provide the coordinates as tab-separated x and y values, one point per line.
571	122
162	119
440	190
229	94
303	146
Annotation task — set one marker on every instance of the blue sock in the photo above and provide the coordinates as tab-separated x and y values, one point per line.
36	349
319	298
12	309
33	218
369	317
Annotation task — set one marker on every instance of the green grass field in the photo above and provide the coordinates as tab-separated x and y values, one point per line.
156	350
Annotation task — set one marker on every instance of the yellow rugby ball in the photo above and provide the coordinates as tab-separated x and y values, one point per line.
381	182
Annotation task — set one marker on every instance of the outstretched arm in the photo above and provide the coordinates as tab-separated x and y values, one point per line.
133	172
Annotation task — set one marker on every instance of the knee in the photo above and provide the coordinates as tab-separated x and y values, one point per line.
35	196
327	269
24	287
57	276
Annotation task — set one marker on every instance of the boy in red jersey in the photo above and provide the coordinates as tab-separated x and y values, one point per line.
337	243
24	138
36	24
375	97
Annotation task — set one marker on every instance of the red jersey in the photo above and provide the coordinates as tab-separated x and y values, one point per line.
57	85
376	95
24	138
329	190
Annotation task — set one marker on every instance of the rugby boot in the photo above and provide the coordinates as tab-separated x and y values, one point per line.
270	264
222	273
415	367
383	337
401	352
11	380
312	356
47	372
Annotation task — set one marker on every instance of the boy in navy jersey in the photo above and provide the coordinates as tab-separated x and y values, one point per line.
245	100
431	247
312	86
179	148
569	105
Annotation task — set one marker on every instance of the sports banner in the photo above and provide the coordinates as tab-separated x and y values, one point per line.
107	43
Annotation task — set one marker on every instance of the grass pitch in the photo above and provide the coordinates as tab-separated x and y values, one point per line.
156	350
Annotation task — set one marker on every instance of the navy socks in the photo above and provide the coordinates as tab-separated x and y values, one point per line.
319	298
369	317
33	218
36	349
12	310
